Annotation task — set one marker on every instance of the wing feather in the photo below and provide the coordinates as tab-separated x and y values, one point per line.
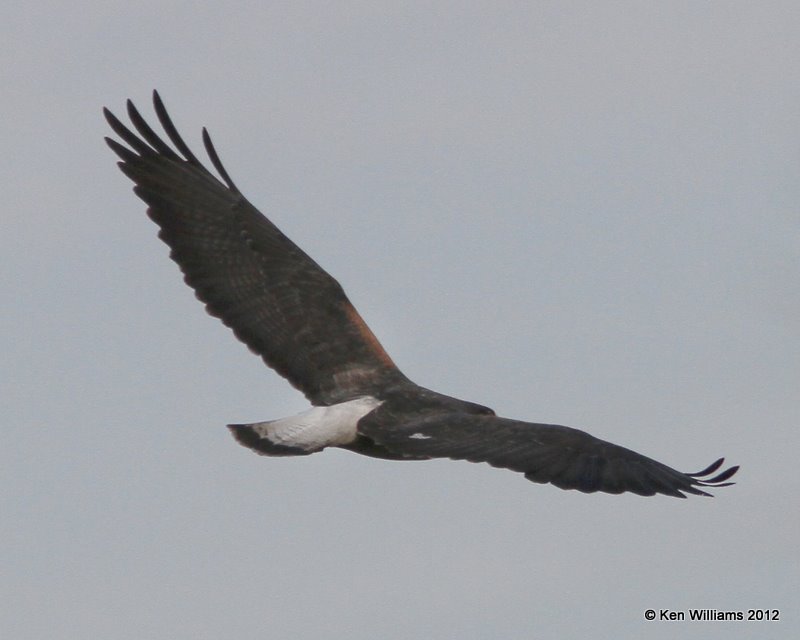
565	457
275	298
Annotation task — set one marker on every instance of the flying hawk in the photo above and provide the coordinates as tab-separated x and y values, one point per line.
292	313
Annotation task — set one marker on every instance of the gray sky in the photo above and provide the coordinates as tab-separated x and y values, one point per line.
580	213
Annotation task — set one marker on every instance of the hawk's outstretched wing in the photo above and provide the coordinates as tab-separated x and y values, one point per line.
276	299
566	457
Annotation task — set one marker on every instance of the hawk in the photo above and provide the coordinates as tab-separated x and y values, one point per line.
292	313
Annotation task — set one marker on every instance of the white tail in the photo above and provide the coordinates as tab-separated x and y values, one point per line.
307	432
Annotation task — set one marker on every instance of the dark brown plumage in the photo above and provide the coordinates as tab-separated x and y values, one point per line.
288	310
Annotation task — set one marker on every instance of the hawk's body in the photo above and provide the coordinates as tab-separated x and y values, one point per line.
292	313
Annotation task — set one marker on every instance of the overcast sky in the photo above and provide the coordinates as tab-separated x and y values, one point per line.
580	213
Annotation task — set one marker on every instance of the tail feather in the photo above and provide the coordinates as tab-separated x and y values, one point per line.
256	437
310	431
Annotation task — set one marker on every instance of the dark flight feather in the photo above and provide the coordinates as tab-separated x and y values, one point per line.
546	453
277	300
